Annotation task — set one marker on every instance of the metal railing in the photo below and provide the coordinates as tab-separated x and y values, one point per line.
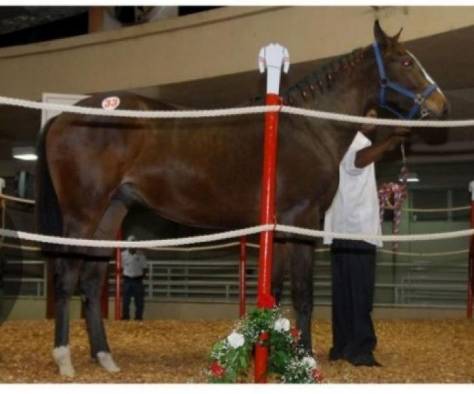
422	283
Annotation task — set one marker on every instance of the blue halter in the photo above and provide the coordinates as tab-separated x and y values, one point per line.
386	83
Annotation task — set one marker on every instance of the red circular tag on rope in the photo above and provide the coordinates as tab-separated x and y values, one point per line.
110	103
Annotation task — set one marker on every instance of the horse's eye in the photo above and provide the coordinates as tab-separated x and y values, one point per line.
407	62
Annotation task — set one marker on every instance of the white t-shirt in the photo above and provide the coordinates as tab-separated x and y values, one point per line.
133	264
355	208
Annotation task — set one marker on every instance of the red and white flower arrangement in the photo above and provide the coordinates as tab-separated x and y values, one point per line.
231	357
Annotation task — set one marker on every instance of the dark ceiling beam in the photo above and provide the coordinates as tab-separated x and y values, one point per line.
19	18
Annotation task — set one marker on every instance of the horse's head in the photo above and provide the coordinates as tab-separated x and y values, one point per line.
405	88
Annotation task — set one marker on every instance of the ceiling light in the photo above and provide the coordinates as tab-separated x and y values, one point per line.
412	177
24	153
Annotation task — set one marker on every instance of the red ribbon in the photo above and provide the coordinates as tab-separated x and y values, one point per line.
392	195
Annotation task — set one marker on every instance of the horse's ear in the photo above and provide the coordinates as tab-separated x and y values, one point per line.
396	37
379	34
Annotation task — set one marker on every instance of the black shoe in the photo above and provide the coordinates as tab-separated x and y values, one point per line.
365	359
336	354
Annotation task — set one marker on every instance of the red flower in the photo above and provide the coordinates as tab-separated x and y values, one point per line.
217	369
295	333
317	375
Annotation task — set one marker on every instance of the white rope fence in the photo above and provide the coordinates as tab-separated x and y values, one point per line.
47	239
166	243
425	254
16	199
317	250
255	246
201	248
20	247
233	112
433	210
376	121
372	237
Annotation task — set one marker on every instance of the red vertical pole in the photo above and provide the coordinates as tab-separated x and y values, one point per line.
118	280
271	58
242	279
265	299
470	277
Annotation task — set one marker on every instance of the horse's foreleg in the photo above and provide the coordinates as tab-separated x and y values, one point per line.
278	270
65	281
302	290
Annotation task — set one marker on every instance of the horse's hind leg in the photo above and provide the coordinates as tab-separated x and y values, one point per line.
91	282
66	277
65	280
67	271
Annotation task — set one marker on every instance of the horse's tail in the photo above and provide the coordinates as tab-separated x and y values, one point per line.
49	219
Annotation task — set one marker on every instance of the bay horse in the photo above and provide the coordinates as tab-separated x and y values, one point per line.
206	173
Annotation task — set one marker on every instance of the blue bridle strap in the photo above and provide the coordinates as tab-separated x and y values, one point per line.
386	83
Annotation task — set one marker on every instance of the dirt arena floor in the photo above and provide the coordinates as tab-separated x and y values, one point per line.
439	351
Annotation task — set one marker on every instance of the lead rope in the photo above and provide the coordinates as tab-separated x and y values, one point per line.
399	196
392	195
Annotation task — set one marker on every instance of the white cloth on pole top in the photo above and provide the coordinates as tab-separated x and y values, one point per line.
272	58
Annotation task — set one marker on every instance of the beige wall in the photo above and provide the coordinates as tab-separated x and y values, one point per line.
219	42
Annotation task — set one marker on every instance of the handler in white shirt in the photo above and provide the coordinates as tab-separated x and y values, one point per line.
355	210
134	267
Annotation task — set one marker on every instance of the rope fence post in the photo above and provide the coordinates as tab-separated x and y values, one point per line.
118	280
470	277
242	279
271	58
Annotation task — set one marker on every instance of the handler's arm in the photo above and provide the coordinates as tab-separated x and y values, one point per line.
374	153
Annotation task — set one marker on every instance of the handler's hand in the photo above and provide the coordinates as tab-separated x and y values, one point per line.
398	136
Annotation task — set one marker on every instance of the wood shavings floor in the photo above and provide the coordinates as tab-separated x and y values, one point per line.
415	351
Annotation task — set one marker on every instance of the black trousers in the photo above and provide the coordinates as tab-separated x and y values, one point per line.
353	283
133	288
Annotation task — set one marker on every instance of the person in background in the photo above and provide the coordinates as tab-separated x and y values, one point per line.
355	210
134	267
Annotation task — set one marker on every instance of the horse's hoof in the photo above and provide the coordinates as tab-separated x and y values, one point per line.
107	362
67	371
62	358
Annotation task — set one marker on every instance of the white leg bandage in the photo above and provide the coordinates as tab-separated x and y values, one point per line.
62	358
105	359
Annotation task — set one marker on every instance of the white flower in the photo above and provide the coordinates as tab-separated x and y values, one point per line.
281	325
309	362
235	340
